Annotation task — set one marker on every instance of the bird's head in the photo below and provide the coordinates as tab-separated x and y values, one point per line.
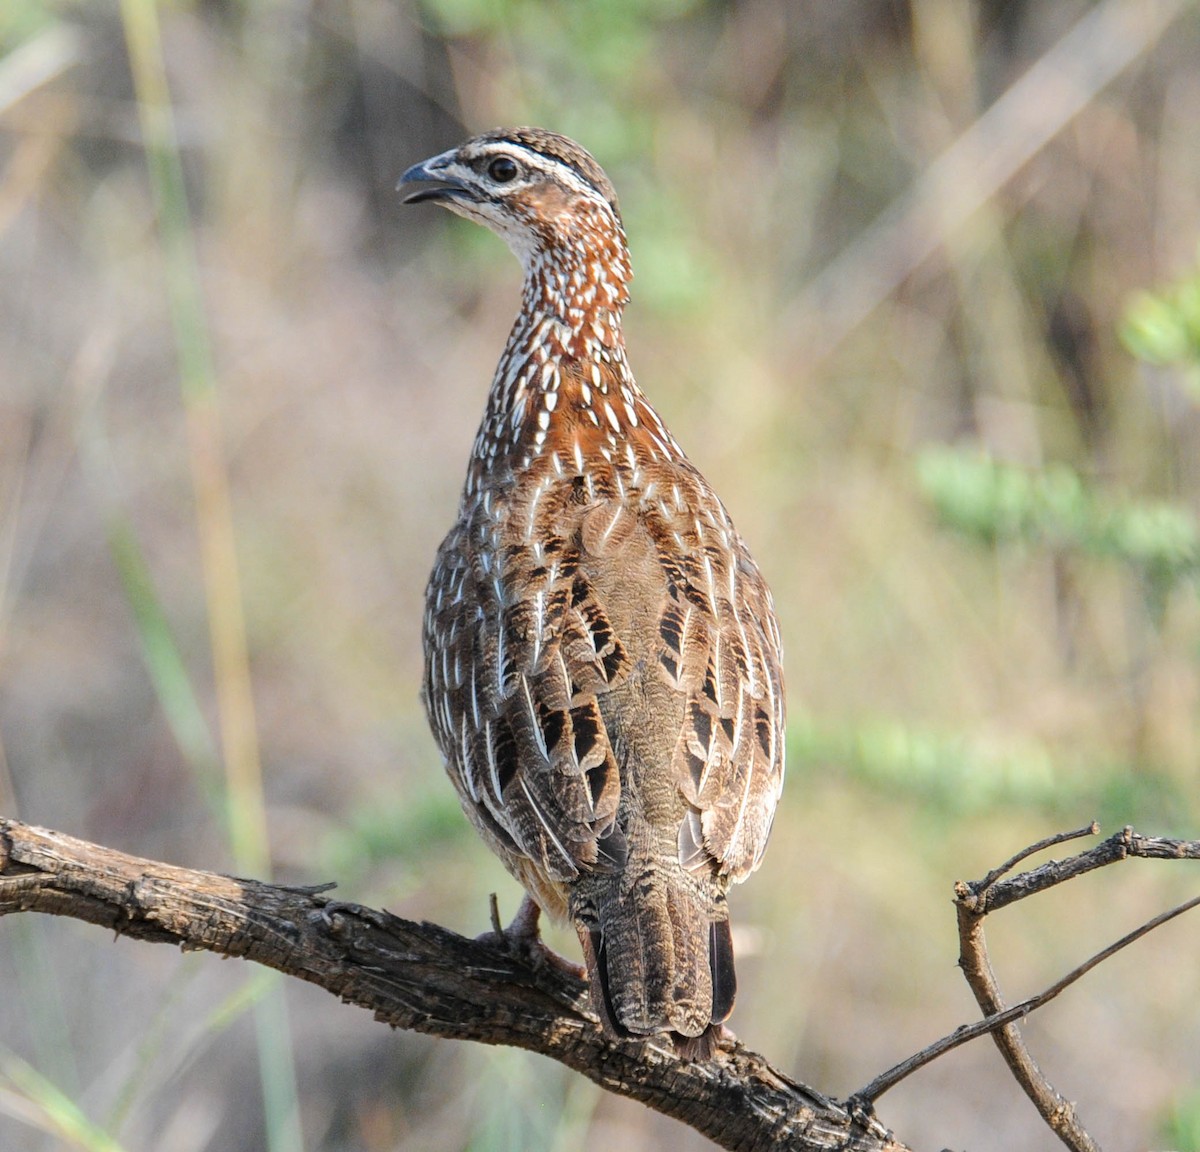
537	190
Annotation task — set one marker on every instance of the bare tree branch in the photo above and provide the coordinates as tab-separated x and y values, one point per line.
990	896
973	901
425	978
428	979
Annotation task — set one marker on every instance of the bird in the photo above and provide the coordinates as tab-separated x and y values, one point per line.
603	668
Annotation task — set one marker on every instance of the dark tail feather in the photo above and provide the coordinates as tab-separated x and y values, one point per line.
724	978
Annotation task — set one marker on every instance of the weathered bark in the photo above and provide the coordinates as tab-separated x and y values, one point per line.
421	977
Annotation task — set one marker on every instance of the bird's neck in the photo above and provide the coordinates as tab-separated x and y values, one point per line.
576	288
574	294
565	350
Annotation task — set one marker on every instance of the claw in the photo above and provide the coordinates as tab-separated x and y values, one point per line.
523	939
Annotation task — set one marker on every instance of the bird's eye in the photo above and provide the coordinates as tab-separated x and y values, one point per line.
502	170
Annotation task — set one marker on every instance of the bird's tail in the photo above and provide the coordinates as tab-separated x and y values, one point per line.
660	959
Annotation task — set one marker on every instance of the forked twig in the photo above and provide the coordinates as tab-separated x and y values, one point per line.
1049	842
973	902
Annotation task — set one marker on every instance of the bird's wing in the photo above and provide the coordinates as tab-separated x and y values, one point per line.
521	651
719	648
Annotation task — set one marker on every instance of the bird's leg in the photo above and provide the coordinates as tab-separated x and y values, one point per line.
522	938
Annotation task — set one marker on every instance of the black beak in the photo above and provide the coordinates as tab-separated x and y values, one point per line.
430	172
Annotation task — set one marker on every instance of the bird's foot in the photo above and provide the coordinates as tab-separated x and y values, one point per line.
522	938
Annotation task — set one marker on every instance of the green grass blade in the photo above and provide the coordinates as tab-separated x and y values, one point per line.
47	1107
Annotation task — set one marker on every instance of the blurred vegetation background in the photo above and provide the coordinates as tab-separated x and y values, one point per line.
916	286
